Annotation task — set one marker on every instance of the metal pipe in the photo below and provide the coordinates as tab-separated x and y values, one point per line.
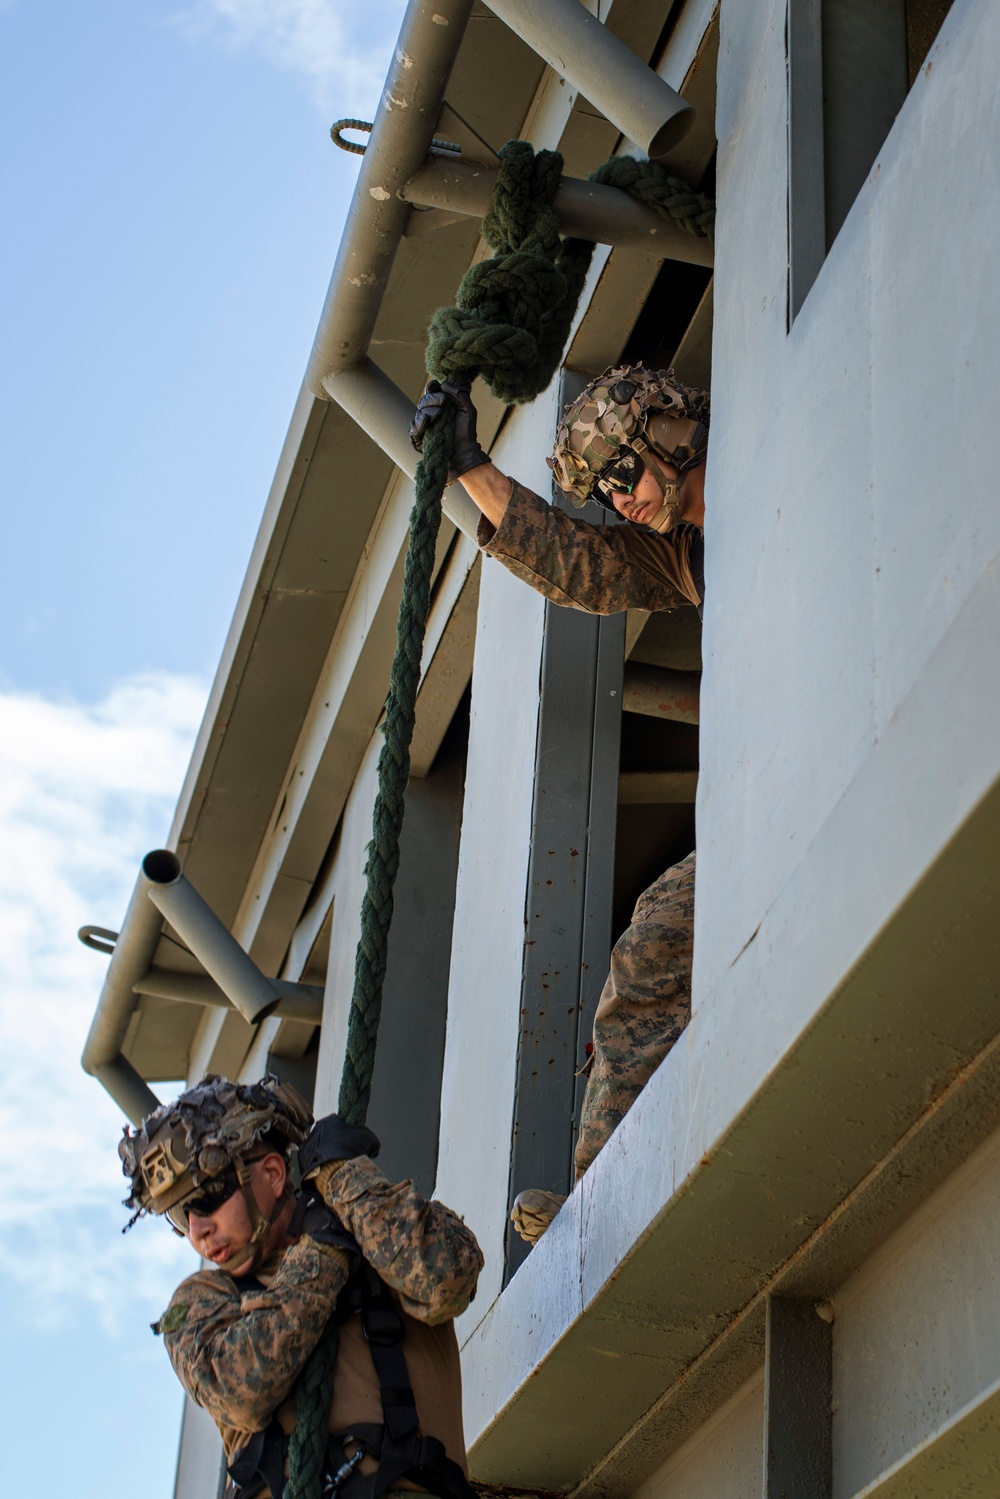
404	125
295	1001
586	210
659	693
102	1052
382	410
211	941
580	49
129	1091
233	977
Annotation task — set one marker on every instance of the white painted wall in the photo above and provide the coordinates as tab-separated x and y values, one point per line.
852	627
347	888
917	1329
488	944
850	718
725	1457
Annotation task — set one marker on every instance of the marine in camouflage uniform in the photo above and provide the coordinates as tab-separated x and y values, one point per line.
609	439
239	1342
644	1006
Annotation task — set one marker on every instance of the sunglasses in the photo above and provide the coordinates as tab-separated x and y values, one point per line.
209	1197
622	476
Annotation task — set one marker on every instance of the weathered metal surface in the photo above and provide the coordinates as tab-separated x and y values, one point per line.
569	891
798	1375
215	947
300	1002
657	692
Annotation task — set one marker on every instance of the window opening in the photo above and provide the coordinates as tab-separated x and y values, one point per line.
850	64
591	856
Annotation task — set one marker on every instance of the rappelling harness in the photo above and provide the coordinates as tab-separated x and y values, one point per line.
396	1444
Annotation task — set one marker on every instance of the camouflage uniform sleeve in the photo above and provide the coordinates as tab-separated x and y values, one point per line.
238	1355
599	569
420	1248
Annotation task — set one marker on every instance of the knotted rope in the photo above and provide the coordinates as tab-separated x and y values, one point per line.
510	322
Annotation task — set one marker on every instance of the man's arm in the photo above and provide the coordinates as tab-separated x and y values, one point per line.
488	488
600	569
239	1355
420	1248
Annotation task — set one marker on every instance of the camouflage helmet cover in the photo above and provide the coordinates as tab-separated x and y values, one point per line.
609	412
186	1143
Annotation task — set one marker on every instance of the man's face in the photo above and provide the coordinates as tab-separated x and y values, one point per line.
220	1236
645	501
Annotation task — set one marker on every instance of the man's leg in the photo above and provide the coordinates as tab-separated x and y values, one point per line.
644	1007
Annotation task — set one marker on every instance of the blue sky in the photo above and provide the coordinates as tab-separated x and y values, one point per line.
172	210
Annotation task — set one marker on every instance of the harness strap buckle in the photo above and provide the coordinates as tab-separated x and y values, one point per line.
333	1481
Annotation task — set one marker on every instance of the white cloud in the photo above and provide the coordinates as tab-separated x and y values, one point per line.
341	50
85	791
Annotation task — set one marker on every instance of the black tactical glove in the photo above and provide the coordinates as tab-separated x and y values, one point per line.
466	452
330	1139
322	1224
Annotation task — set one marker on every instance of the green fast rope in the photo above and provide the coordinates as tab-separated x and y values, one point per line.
510	322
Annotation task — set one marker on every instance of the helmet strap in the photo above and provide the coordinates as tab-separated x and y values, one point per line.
259	1223
670	489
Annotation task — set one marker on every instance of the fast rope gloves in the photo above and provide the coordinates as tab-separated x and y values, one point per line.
328	1145
466	453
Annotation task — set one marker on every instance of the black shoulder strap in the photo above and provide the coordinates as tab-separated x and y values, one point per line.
262	1460
397	1444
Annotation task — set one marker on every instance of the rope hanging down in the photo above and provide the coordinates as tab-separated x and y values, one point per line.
510	322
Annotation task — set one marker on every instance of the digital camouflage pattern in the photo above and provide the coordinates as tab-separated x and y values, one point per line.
238	1354
644	1006
610	411
599	569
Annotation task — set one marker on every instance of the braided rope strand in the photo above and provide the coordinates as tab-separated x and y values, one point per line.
393	774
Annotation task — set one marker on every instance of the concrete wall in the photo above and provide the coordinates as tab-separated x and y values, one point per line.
848	714
725	1457
917	1330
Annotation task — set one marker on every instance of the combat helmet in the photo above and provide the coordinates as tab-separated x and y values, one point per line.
197	1151
616	421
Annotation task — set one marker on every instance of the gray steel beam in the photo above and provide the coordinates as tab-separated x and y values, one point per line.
382	410
209	939
565	878
657	692
582	50
404	125
295	1001
130	1092
102	1052
570	880
161	890
798	1390
586	210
